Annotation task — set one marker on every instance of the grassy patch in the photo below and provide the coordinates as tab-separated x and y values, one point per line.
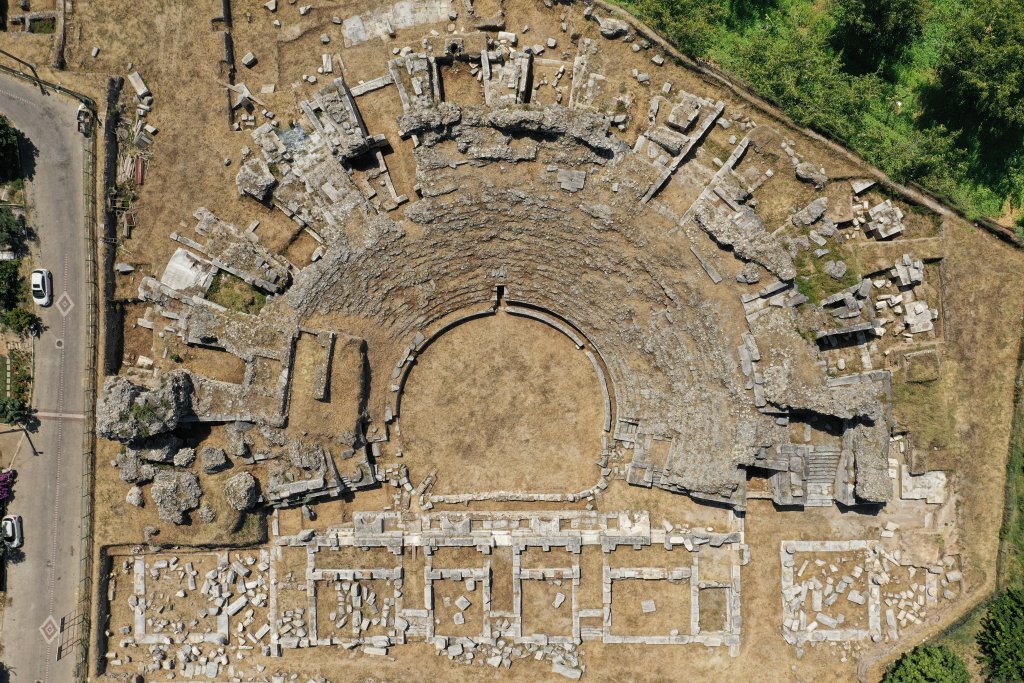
250	529
925	405
813	282
961	637
143	412
13	191
235	294
923	367
44	26
1011	551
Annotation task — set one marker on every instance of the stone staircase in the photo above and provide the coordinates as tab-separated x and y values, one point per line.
820	475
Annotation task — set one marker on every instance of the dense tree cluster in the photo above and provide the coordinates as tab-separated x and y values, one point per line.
873	34
928	90
14	410
1001	639
13	315
983	63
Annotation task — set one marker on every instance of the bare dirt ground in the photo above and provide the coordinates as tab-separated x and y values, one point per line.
540	616
509	390
671	607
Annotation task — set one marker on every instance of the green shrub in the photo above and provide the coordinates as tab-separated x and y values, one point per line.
19	320
12	230
21	373
10	284
787	60
690	24
143	412
1001	638
14	410
928	664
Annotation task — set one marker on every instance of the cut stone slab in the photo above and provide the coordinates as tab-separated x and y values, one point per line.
563	670
570	180
187	272
836	269
141	90
613	28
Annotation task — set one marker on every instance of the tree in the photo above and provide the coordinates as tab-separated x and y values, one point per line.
14	410
982	69
20	321
787	60
8	150
928	664
10	284
12	230
874	33
1001	638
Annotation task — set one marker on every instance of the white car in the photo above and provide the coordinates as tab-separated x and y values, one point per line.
11	528
41	283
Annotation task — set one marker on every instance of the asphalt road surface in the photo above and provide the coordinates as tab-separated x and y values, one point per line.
48	493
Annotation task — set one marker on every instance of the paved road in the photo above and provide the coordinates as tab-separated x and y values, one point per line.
49	461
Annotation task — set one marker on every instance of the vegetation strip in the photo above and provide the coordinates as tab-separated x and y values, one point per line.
935	98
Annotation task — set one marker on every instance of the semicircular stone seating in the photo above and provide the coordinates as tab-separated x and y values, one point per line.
550	204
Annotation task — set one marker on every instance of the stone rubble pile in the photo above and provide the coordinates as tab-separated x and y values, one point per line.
841	591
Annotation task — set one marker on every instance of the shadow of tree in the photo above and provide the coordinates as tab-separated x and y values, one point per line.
32	423
14	556
29	154
743	13
992	155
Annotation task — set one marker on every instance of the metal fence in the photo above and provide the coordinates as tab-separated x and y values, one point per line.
89	167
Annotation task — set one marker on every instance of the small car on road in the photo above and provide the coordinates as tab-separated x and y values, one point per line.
41	283
11	530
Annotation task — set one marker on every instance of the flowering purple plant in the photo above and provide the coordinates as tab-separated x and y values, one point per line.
7	485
